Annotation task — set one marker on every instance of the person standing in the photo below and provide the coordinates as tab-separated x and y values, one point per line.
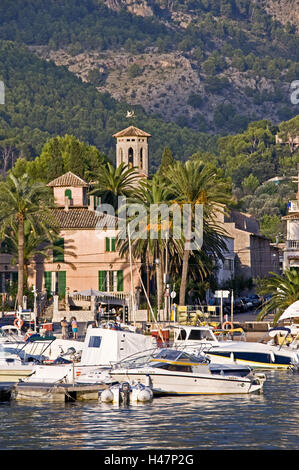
63	325
96	314
100	314
75	328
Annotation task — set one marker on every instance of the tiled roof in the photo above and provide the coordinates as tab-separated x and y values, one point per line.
68	179
83	218
132	131
292	215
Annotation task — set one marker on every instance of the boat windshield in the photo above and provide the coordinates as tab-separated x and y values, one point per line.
194	334
159	355
176	355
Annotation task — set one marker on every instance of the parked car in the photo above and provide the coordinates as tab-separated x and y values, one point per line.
247	302
239	305
256	301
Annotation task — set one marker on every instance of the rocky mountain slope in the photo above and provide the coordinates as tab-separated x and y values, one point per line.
285	11
208	65
230	64
169	84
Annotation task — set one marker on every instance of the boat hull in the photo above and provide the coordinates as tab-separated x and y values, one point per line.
183	384
14	374
261	357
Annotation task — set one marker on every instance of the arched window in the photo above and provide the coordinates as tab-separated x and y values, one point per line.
130	157
68	193
141	158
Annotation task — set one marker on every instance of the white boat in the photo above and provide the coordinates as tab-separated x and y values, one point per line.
101	348
11	334
18	358
12	367
35	344
174	372
269	353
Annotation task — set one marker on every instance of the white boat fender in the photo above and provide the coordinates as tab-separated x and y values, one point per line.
107	396
141	393
145	395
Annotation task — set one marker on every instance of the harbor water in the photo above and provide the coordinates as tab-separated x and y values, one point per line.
268	421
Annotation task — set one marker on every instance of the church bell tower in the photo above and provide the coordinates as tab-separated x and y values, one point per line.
132	149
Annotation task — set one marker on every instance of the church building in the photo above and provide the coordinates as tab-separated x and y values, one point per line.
87	256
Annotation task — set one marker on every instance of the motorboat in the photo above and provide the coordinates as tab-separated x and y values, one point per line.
12	366
34	344
102	347
273	351
18	359
11	334
170	371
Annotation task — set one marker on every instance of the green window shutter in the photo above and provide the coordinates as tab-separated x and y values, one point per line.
107	242
97	201
68	193
15	277
48	282
58	255
120	281
113	244
61	283
102	279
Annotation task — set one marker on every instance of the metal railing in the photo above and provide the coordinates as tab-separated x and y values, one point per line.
292	244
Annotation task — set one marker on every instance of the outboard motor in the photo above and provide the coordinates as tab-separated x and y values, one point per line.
125	393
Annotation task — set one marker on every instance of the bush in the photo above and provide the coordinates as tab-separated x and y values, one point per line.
134	71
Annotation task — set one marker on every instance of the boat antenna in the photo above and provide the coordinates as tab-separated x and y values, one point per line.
131	272
150	306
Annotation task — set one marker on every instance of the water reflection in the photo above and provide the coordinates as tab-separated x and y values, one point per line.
266	421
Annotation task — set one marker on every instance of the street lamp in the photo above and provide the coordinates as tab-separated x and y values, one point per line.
157	262
34	290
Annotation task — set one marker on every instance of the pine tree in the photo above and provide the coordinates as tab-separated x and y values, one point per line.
166	161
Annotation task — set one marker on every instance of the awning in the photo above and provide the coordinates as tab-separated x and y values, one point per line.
106	297
291	312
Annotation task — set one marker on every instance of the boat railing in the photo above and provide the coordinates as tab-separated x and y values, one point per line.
133	359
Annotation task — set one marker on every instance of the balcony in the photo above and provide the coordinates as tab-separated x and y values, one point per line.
293	206
292	245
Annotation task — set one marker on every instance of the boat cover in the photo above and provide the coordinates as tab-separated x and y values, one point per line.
103	346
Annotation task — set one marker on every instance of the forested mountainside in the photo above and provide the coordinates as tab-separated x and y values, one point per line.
43	100
208	79
210	65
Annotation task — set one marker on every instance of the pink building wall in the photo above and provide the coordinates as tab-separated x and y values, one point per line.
91	257
78	196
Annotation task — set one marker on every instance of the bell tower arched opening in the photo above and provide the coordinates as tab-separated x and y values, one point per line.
130	157
141	159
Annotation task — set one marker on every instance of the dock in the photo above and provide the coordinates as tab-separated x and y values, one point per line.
50	392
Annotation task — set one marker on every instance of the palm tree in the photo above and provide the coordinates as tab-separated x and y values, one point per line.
114	182
24	202
284	290
150	243
193	183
